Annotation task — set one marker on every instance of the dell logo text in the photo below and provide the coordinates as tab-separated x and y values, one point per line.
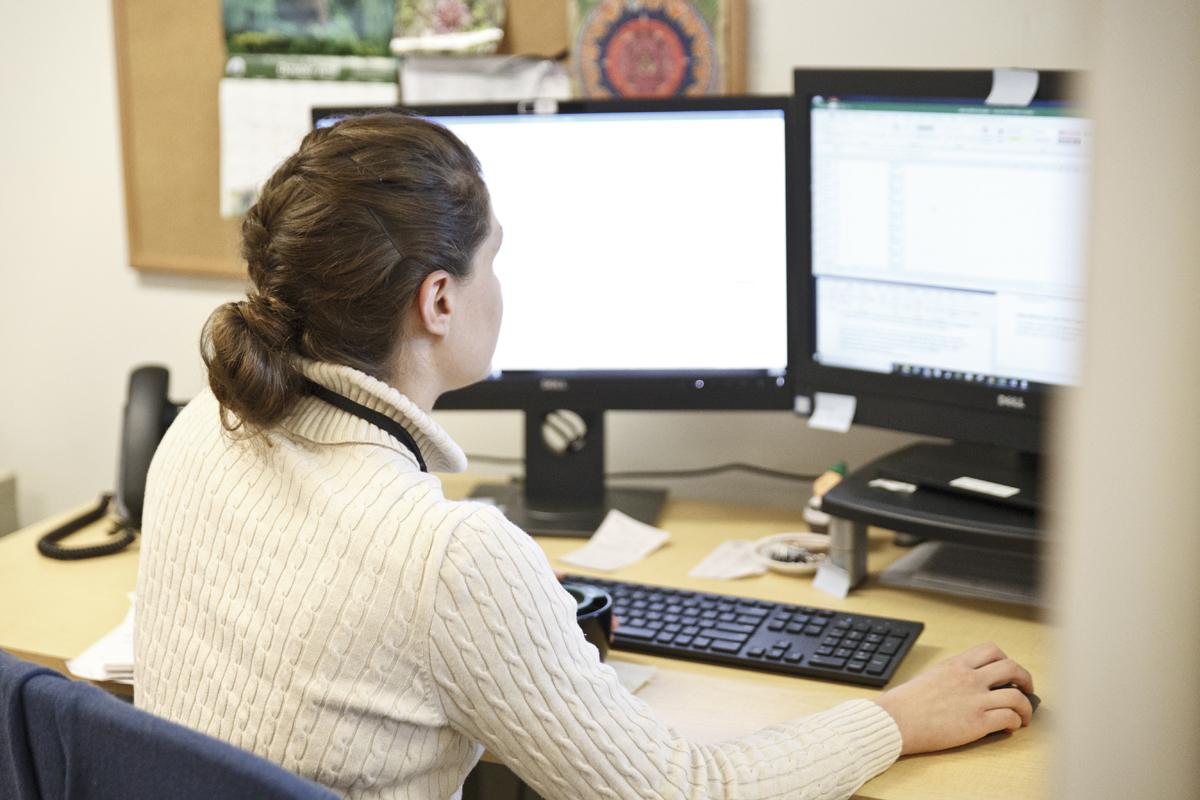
1013	401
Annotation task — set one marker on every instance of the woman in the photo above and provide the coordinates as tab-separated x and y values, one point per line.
306	592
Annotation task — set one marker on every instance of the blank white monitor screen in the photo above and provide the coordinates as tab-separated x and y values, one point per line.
948	239
638	241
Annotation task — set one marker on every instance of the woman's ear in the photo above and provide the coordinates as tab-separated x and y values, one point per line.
435	303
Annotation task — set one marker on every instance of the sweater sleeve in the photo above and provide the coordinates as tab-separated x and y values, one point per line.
515	673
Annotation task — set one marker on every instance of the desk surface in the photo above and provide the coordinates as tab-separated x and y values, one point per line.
53	610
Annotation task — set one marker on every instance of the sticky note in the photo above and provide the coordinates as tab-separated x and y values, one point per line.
833	412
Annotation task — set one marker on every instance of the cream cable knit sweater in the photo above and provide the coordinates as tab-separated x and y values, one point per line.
319	602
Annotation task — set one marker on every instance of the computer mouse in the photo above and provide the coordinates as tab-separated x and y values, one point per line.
1034	700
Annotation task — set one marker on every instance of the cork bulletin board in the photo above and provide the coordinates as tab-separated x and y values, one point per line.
170	60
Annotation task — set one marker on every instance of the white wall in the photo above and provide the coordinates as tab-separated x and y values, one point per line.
74	318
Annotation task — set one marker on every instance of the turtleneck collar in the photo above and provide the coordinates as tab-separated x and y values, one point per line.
318	421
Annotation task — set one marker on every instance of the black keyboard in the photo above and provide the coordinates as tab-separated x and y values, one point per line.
757	634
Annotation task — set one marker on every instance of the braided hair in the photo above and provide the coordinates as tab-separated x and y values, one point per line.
341	237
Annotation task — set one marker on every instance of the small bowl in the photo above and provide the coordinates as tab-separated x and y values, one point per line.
790	553
593	610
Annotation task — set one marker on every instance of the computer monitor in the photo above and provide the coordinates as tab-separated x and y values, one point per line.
644	266
941	257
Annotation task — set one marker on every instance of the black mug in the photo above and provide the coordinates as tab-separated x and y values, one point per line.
593	609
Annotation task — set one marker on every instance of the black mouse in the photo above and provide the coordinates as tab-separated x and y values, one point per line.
1034	700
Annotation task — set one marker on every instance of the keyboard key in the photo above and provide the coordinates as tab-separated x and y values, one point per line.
757	652
843	652
813	630
691	630
775	654
877	665
663	637
857	665
746	619
856	635
794	657
716	633
868	647
700	642
728	616
825	650
890	645
725	647
824	613
775	626
683	640
874	637
828	662
634	632
795	628
735	627
753	611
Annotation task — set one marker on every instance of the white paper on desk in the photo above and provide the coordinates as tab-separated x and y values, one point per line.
632	676
832	579
619	541
459	79
833	412
263	121
730	560
110	658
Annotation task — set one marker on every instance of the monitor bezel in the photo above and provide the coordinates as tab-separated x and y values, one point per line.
950	409
717	390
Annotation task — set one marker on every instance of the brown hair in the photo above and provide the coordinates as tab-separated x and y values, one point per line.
337	245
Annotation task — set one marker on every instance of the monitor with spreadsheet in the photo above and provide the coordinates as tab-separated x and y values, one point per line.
942	250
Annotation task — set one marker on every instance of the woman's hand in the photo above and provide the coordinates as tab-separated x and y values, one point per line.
960	700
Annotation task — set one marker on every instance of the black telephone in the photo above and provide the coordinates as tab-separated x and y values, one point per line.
148	414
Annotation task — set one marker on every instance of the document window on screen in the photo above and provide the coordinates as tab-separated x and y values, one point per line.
638	242
948	238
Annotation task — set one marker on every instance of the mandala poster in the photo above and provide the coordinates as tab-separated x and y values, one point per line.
654	48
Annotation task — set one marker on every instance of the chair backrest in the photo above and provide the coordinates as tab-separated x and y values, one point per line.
66	739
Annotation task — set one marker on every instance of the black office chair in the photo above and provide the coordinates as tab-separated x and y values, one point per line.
66	740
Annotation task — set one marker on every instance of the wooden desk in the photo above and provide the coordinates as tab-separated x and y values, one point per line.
52	610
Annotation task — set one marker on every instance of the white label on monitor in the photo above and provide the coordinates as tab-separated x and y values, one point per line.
833	412
984	487
1013	87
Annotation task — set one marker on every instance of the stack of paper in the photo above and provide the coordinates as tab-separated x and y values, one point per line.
111	658
619	541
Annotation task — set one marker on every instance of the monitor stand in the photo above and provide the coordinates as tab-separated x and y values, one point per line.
563	493
940	507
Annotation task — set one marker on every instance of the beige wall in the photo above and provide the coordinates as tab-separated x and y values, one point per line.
1128	591
74	317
